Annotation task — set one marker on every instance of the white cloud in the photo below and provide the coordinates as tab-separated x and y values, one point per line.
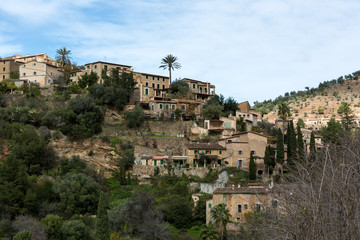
251	50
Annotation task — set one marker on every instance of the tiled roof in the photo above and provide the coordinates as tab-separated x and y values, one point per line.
205	146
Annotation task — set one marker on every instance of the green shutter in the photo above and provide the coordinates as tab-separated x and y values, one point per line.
162	162
154	162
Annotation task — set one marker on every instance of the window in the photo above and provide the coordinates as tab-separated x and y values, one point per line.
95	66
152	107
163	86
105	67
194	85
49	81
153	78
238	208
24	74
240	164
240	152
146	76
220	152
51	73
253	153
163	79
88	66
227	124
235	196
160	105
247	196
209	205
167	106
183	107
258	207
34	64
153	85
146	91
195	151
3	76
4	69
158	86
147	84
34	73
245	206
158	78
173	106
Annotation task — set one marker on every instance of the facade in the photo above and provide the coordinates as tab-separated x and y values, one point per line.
241	145
202	90
40	73
151	86
7	66
225	126
242	200
250	118
154	160
43	57
99	66
205	155
166	107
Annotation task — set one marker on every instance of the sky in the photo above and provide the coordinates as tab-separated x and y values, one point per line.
251	50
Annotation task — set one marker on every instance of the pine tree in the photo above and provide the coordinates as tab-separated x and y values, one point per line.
102	220
300	144
312	147
279	147
252	168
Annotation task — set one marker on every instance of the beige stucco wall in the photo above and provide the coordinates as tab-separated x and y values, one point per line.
245	143
194	154
39	73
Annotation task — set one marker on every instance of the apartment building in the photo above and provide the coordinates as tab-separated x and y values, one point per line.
40	73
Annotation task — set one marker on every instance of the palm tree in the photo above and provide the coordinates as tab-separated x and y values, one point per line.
283	113
63	56
221	217
170	62
209	232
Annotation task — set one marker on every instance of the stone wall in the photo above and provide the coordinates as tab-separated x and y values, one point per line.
149	170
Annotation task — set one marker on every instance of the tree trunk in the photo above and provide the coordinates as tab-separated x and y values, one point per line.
170	75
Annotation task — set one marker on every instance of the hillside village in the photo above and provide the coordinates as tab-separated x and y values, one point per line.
227	153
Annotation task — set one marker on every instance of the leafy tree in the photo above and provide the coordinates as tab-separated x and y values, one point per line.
300	144
200	210
14	75
74	230
23	235
230	106
52	224
78	194
180	89
312	147
283	113
180	214
241	125
347	117
33	151
221	217
212	110
252	168
102	220
170	62
30	224
88	80
135	118
279	147
300	123
13	185
332	132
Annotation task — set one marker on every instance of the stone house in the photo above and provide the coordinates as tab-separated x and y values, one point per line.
241	201
239	147
202	90
7	66
225	126
41	73
154	160
204	155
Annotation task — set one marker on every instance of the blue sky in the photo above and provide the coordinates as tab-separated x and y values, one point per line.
250	49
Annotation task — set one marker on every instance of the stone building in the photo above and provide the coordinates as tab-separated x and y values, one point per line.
202	90
242	200
239	147
8	66
205	155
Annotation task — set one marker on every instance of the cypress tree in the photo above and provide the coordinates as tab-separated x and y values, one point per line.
279	147
102	220
300	144
252	168
267	158
312	147
291	144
